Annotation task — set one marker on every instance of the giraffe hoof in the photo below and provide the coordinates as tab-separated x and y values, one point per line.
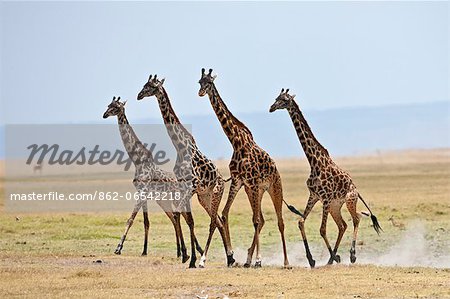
118	250
337	258
246	265
312	263
230	260
144	254
258	264
192	266
185	258
288	267
352	255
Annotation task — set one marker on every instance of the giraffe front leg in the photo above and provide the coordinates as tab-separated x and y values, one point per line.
228	251
212	228
254	197
198	247
146	227
323	230
335	212
205	200
235	186
210	203
217	197
190	223
177	234
130	221
184	256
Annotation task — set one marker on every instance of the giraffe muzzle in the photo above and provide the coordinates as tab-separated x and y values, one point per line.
201	92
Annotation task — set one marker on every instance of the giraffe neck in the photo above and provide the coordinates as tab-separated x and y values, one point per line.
180	136
137	152
235	130
312	148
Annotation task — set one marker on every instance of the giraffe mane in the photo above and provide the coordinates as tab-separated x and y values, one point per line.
308	129
177	120
234	119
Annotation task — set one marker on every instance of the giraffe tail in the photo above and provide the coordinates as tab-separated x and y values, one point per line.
376	225
293	209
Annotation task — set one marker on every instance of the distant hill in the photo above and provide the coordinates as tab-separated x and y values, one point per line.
343	131
2	142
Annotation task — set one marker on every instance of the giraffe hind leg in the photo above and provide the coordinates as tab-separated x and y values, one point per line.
351	206
258	252
276	194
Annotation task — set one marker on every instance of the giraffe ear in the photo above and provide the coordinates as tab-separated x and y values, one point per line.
214	77
293	96
125	102
162	81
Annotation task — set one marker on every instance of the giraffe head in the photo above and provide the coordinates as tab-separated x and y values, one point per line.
153	87
114	108
283	101
206	82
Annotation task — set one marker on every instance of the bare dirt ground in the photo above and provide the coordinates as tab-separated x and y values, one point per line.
71	254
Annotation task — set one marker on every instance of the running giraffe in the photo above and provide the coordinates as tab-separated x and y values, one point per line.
250	166
327	183
191	165
146	173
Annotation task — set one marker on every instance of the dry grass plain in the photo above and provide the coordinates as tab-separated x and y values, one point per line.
53	255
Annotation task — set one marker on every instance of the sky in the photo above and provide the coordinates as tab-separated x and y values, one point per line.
63	62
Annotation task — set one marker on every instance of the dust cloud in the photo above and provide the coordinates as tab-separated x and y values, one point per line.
413	247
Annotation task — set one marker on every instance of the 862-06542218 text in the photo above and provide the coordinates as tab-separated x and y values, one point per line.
97	195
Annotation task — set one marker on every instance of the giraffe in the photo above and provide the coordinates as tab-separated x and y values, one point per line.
250	166
191	164
327	183
145	171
